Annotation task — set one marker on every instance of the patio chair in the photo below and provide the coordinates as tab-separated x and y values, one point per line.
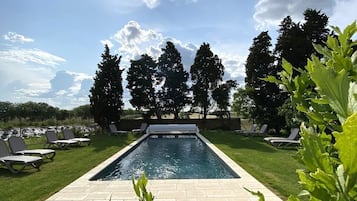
294	133
53	141
68	135
17	163
142	128
113	130
285	143
261	132
18	147
252	129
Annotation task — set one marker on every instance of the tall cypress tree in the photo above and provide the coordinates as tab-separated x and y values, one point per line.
266	96
315	29
206	74
175	89
107	92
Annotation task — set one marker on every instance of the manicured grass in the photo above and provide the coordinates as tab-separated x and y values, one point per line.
275	168
68	165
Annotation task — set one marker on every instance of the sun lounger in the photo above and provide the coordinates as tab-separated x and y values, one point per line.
252	129
18	147
261	132
294	133
17	163
53	141
285	143
68	135
113	130
142	128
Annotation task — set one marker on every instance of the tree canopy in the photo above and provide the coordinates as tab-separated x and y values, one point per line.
206	73
175	89
267	97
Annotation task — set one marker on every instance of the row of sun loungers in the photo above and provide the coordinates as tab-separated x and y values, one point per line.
253	131
22	157
291	140
114	131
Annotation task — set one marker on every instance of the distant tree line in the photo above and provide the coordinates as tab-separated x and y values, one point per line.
32	111
263	101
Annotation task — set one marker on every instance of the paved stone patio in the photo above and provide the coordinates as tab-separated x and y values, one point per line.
166	190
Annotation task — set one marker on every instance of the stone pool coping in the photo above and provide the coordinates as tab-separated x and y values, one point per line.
83	189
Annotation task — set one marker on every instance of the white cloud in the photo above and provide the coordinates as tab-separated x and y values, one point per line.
68	89
133	39
271	12
152	3
25	56
28	75
14	37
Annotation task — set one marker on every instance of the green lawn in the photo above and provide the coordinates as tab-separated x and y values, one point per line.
273	167
68	165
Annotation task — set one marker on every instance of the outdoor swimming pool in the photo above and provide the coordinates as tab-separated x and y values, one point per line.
168	157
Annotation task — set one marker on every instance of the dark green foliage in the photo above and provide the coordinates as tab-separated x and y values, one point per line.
6	111
294	43
267	96
142	80
175	89
315	29
206	74
107	91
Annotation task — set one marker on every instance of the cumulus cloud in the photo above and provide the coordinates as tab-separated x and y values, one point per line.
271	12
14	38
68	89
132	38
133	41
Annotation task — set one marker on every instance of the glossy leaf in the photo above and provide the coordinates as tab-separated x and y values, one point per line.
346	144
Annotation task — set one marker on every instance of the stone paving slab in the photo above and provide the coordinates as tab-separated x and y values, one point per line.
83	189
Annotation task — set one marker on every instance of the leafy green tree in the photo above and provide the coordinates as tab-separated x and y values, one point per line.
175	89
107	92
206	74
142	81
82	111
221	96
242	103
267	96
325	91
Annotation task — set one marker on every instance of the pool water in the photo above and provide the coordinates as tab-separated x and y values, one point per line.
168	157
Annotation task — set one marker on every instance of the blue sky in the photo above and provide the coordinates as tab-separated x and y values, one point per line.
49	50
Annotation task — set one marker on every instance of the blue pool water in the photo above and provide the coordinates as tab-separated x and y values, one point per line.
168	157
